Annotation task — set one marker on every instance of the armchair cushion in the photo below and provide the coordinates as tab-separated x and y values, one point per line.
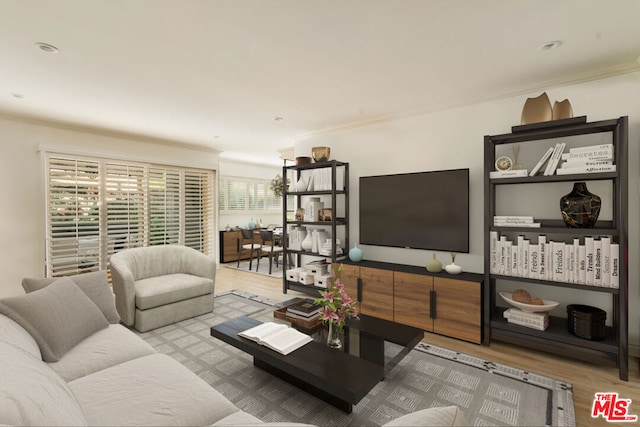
162	290
58	317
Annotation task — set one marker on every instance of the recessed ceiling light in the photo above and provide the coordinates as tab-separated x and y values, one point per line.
46	47
278	119
550	45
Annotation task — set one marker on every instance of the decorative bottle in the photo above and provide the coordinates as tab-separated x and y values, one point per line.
355	253
580	208
434	266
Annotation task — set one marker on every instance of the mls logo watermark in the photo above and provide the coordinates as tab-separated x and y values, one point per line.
612	408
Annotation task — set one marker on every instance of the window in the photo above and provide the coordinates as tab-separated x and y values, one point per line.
99	206
246	194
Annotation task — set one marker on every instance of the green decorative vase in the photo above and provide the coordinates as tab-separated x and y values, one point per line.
434	266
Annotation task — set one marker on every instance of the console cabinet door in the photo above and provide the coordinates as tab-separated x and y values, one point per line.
458	309
349	278
376	293
412	299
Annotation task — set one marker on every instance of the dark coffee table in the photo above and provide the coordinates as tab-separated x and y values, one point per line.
341	378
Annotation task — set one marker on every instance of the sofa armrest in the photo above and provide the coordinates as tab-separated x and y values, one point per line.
199	264
123	283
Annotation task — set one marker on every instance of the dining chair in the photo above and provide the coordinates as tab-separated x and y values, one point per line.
247	242
269	246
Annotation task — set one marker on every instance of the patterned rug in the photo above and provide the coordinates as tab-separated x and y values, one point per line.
263	268
488	393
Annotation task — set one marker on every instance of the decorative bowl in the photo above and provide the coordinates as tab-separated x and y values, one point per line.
320	154
303	161
529	308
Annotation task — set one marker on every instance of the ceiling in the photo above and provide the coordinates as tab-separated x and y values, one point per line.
217	72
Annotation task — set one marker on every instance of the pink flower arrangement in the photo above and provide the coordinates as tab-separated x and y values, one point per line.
337	305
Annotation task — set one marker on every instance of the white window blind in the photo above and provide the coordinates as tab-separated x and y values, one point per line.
127	207
74	217
246	194
97	207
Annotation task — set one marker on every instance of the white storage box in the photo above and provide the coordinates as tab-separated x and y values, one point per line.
322	280
317	269
306	278
294	274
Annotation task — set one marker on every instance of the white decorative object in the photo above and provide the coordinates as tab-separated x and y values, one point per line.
313	207
307	243
453	268
529	308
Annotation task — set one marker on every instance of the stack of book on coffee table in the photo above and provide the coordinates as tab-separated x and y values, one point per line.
538	321
304	310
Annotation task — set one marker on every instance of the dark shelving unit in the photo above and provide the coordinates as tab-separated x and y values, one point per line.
556	338
338	197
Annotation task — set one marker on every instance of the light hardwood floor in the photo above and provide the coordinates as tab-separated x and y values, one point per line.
587	379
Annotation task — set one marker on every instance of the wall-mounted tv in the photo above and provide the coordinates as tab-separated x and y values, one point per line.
423	210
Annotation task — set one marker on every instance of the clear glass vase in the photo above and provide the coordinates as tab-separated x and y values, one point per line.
333	338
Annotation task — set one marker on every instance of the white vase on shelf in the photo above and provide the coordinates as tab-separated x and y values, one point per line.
307	243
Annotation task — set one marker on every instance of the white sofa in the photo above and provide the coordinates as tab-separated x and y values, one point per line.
159	285
65	360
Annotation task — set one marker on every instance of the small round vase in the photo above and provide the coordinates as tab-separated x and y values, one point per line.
434	266
333	337
580	208
453	268
355	253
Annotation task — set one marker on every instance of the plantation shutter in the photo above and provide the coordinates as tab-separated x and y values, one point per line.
237	195
198	210
73	229
97	207
257	195
164	206
127	208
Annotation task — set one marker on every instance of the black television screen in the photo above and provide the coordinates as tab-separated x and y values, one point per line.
423	210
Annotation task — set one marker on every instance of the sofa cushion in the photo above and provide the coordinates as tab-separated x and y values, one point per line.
105	348
95	285
15	334
150	390
32	394
58	317
162	290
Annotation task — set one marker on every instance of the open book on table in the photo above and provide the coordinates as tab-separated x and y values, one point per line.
277	336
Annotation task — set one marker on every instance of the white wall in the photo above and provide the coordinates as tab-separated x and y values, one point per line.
454	139
248	170
22	212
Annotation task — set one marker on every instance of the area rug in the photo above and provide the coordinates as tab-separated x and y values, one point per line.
263	268
488	393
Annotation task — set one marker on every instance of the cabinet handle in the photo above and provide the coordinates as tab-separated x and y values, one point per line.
359	296
432	304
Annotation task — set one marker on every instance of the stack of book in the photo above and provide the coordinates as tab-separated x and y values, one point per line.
538	321
304	310
591	159
515	221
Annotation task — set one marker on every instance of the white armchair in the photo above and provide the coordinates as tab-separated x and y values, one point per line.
160	285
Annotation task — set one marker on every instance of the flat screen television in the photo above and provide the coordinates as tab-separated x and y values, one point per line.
423	210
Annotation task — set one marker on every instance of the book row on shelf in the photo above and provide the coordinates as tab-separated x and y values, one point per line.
538	321
593	262
589	159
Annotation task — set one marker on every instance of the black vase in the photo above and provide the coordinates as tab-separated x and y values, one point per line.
580	208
